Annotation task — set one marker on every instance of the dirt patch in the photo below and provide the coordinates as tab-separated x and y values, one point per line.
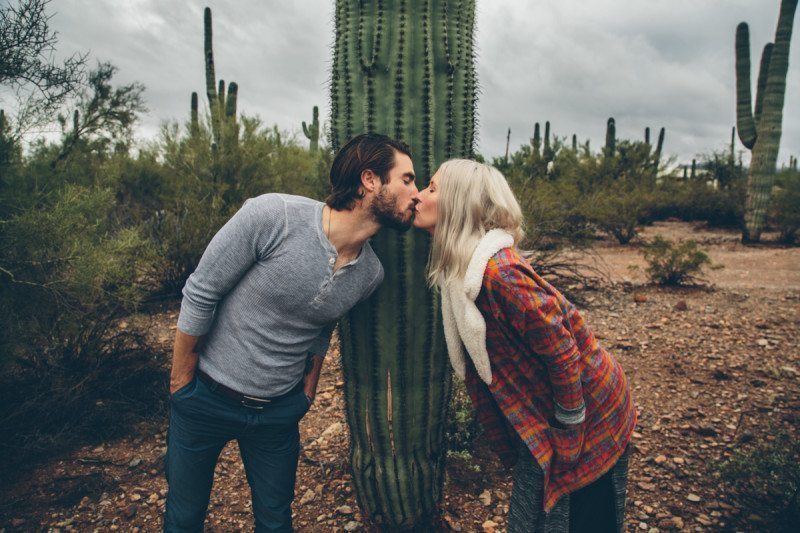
765	266
708	368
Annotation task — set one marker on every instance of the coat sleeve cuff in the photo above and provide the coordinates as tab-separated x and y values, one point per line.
570	416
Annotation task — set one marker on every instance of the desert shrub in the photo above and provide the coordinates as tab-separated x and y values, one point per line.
765	478
785	206
699	201
672	263
462	424
619	209
68	273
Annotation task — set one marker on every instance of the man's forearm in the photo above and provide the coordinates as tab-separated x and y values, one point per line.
184	360
311	378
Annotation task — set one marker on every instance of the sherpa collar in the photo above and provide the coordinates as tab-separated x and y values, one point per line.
463	322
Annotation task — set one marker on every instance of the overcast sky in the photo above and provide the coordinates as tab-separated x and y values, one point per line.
573	62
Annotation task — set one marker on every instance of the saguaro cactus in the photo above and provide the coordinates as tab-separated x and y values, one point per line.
760	128
508	142
194	125
223	110
536	142
404	68
311	130
611	137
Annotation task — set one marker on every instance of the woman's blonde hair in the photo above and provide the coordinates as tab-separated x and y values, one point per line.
473	198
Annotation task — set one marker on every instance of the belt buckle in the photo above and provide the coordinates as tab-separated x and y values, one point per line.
248	402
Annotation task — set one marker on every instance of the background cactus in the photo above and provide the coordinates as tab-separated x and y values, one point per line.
311	130
537	143
405	68
222	107
194	124
611	138
760	129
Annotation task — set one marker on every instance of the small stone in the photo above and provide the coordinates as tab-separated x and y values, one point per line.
153	498
639	298
352	525
84	503
485	498
135	462
678	521
488	526
345	510
99	449
678	460
643	526
762	342
704	520
661	459
136	497
693	498
646	486
129	511
681	305
17	522
307	497
332	430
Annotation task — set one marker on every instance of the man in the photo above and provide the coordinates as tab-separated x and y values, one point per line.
256	320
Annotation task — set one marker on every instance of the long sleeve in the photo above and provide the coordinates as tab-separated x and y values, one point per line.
538	317
249	236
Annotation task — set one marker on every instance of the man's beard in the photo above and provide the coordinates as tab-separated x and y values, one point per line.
384	210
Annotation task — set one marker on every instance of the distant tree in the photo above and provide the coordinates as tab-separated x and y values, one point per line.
28	66
104	114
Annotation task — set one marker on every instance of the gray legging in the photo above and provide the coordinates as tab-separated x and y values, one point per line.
596	508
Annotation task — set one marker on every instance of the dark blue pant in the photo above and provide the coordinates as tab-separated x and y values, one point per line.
201	422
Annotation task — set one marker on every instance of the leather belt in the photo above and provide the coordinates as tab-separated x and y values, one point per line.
245	400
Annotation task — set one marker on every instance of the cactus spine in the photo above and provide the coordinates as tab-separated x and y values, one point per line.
760	129
611	137
404	68
311	130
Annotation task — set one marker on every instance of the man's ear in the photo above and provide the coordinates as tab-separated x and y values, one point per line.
369	181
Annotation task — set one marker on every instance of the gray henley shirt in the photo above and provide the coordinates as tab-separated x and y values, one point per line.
265	295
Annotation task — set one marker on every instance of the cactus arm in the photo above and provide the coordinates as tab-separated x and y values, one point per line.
761	85
230	102
744	111
647	136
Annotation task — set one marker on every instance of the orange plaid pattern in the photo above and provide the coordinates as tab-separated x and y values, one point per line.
542	352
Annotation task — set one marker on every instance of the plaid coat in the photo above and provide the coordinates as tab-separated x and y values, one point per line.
545	364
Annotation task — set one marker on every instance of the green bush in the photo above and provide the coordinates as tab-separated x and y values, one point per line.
765	479
68	274
785	206
462	425
674	263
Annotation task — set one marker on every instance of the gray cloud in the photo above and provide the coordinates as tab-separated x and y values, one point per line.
647	63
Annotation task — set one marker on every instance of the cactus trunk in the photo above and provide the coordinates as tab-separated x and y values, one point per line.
404	68
760	129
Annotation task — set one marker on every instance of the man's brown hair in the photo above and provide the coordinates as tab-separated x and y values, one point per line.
368	151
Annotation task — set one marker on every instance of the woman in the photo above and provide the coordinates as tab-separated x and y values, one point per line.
549	397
